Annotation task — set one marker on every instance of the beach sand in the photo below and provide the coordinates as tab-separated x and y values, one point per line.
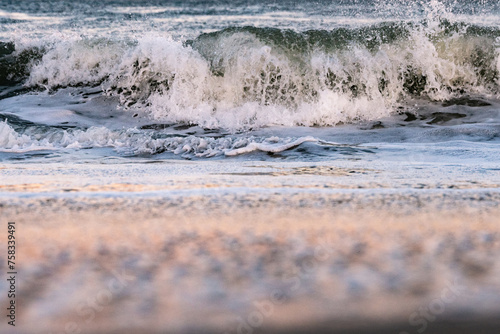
253	247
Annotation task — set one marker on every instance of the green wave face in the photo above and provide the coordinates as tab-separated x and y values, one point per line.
474	49
341	75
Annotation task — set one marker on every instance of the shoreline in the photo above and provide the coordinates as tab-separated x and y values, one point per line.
203	251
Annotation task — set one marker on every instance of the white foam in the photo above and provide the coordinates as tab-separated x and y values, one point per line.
272	148
74	61
27	17
246	83
141	9
11	141
134	141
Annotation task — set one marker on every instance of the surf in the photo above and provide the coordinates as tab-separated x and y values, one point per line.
248	77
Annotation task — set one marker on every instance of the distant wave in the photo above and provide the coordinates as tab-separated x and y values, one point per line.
244	77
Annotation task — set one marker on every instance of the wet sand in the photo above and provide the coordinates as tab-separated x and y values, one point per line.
182	247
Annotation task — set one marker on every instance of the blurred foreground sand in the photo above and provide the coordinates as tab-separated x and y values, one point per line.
239	259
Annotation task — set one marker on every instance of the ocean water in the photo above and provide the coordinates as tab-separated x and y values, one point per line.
344	154
252	80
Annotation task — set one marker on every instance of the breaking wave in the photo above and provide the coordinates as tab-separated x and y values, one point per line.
247	77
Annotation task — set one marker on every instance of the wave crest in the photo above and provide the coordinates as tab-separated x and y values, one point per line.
246	77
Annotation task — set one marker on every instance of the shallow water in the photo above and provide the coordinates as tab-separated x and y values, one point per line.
249	80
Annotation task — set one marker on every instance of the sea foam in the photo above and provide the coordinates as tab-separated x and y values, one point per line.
243	78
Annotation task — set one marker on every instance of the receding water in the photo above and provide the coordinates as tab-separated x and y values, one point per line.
249	79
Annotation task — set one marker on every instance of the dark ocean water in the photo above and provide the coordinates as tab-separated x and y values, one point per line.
255	79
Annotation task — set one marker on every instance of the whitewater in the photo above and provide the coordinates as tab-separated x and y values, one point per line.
268	78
